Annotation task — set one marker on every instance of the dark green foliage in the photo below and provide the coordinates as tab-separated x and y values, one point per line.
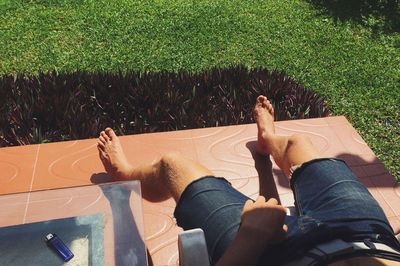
379	15
53	107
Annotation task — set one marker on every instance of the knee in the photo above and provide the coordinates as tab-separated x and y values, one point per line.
171	158
298	138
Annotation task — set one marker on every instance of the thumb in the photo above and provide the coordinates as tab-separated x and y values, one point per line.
285	228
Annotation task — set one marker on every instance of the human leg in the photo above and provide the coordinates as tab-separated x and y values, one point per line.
167	176
337	206
287	151
327	190
322	184
213	205
331	201
203	201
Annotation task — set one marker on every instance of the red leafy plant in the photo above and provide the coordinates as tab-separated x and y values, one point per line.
64	106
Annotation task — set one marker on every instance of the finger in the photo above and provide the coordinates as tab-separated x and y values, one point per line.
260	199
281	212
282	209
247	205
272	201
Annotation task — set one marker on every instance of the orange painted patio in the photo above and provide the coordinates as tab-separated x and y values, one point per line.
227	151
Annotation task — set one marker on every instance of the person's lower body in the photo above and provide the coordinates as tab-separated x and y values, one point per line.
211	203
329	199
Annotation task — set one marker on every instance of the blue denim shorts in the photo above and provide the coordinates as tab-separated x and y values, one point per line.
330	201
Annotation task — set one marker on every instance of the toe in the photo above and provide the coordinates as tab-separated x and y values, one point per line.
101	153
102	140
104	135
260	99
111	134
259	102
271	108
100	145
263	101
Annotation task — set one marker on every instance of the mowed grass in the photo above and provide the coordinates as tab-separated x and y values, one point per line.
351	58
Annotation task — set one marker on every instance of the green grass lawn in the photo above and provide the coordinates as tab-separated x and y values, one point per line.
348	51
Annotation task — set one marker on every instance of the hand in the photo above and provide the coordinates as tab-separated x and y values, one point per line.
262	224
264	220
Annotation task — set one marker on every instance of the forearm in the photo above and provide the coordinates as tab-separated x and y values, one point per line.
245	249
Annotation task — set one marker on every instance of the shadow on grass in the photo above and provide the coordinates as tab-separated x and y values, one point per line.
379	15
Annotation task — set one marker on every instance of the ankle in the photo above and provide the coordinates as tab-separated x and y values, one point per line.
124	172
268	138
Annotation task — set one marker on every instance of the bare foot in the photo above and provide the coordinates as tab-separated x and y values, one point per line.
264	116
112	156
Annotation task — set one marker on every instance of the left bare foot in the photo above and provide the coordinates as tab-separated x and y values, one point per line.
112	156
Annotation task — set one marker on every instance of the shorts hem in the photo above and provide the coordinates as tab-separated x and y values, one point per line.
185	191
297	169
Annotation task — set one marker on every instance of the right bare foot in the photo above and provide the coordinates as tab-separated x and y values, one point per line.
112	156
264	116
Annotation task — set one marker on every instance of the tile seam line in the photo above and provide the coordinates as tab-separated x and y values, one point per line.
31	186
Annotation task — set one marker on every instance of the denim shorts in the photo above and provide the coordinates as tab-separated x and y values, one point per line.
330	201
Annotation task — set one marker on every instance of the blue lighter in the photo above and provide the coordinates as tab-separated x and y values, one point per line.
55	242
